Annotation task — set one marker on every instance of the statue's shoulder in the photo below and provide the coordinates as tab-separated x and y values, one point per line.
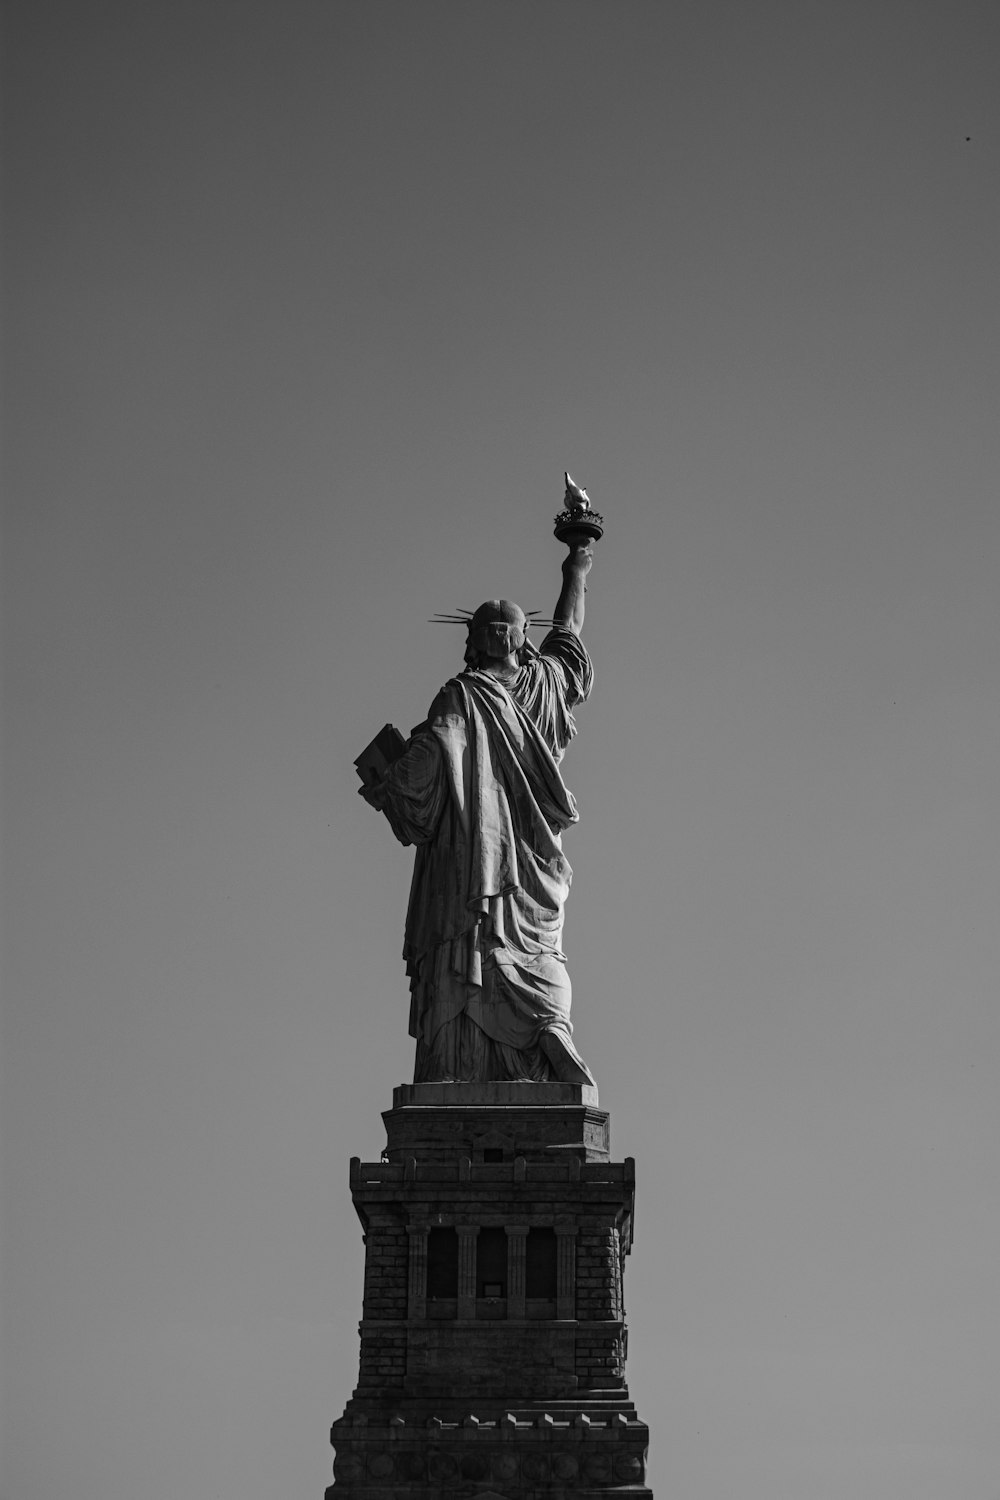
567	661
561	643
452	698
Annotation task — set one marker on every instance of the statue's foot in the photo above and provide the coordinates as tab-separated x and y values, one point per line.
566	1063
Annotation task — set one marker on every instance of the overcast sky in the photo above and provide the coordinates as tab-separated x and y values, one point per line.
308	306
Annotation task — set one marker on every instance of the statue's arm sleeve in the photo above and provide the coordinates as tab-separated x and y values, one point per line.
414	791
567	661
559	676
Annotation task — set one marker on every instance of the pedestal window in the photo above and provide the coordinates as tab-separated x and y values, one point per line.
442	1273
491	1264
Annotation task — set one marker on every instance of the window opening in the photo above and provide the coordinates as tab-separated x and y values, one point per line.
540	1263
442	1263
491	1263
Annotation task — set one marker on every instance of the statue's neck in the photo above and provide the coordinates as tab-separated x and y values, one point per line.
501	673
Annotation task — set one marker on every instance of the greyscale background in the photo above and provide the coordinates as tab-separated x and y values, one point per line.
308	306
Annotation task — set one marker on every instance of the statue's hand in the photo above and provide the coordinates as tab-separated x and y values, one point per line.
374	794
580	558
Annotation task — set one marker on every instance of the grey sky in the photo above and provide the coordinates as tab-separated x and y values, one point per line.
307	308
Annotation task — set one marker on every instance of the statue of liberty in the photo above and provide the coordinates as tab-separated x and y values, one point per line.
477	789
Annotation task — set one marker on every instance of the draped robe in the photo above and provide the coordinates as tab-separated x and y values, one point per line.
479	793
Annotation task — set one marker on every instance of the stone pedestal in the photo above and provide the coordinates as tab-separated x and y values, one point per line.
493	1337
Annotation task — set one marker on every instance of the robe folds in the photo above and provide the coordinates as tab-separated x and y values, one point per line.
479	793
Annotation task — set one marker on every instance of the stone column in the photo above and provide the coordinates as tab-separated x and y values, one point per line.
467	1234
417	1285
566	1271
618	1308
517	1236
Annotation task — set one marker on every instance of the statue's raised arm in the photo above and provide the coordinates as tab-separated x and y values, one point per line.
569	610
477	789
579	527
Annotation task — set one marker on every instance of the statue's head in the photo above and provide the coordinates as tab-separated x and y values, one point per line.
497	630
